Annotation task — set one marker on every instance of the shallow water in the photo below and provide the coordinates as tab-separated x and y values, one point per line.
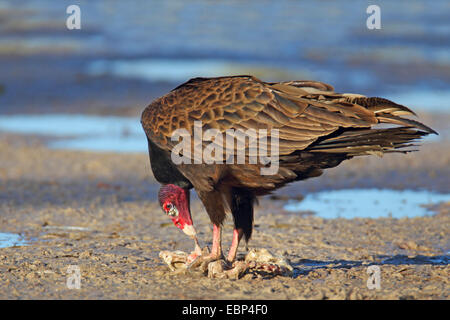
430	100
178	70
11	239
81	132
368	203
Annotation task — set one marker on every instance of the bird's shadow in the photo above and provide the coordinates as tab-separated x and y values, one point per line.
305	266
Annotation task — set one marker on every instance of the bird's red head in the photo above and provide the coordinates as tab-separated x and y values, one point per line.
174	201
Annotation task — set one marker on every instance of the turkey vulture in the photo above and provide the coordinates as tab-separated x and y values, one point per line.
317	129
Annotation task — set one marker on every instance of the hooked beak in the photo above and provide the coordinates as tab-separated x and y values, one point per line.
184	223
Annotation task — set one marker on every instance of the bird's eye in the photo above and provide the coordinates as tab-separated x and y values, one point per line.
170	209
167	206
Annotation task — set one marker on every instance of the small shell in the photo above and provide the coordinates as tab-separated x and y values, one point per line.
174	259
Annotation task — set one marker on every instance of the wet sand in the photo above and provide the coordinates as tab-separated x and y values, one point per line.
110	198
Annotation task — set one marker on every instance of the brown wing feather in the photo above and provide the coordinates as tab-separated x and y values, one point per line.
304	113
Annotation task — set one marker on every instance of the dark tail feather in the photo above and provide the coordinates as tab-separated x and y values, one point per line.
242	210
355	142
389	118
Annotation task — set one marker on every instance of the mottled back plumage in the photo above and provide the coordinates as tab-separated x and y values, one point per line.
309	115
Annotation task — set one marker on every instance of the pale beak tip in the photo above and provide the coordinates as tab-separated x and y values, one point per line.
189	230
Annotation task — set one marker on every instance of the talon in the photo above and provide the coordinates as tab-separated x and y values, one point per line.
197	257
202	261
198	251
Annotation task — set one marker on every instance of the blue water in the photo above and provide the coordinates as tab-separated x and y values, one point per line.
81	132
368	203
11	240
430	100
171	70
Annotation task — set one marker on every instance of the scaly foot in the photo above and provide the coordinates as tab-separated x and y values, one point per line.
202	261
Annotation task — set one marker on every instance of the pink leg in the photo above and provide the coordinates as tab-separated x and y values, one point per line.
197	251
216	250
237	235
